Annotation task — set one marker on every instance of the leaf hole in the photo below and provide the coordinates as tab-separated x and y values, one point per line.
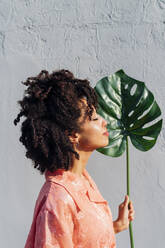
130	113
145	112
149	124
126	86
133	89
148	138
137	103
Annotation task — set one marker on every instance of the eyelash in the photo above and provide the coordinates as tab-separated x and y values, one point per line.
95	119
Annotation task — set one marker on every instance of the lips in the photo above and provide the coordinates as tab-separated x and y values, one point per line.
106	133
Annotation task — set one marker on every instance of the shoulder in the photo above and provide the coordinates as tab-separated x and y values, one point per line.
54	196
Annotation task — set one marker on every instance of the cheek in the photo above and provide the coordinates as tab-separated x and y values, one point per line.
97	128
93	133
94	129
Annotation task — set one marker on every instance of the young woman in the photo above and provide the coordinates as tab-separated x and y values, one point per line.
61	130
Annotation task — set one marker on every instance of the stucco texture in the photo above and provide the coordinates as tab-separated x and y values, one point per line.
93	39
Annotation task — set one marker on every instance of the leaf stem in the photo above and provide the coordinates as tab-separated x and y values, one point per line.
128	191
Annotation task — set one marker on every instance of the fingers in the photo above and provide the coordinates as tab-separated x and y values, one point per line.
131	212
126	209
129	204
131	217
131	208
126	201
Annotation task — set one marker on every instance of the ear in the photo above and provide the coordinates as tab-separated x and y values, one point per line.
74	138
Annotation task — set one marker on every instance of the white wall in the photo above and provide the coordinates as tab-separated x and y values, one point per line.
91	38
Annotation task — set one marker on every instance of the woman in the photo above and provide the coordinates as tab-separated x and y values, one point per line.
61	130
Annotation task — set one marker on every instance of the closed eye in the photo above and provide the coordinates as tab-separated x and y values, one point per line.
95	119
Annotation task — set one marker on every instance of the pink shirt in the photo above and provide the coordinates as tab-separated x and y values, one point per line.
70	212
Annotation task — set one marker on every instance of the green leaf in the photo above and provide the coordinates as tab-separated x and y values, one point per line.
127	106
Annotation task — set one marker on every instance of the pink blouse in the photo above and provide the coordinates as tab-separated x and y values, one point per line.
70	212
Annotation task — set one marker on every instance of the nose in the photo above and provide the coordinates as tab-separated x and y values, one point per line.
104	122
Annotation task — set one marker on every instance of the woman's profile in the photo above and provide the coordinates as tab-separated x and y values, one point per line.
60	131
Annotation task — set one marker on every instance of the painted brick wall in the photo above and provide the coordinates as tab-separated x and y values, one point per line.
91	38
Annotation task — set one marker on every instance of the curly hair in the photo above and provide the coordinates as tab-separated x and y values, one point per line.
51	105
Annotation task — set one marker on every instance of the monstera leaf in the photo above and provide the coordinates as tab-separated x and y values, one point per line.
127	105
130	111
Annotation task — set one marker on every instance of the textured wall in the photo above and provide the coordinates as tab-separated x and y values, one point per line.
92	38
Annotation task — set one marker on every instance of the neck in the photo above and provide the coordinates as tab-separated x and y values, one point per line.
79	165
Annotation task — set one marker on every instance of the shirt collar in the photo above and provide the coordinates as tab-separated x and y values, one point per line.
74	184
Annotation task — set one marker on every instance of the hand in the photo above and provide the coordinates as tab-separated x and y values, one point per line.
126	214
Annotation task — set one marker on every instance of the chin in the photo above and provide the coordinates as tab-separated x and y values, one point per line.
104	144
